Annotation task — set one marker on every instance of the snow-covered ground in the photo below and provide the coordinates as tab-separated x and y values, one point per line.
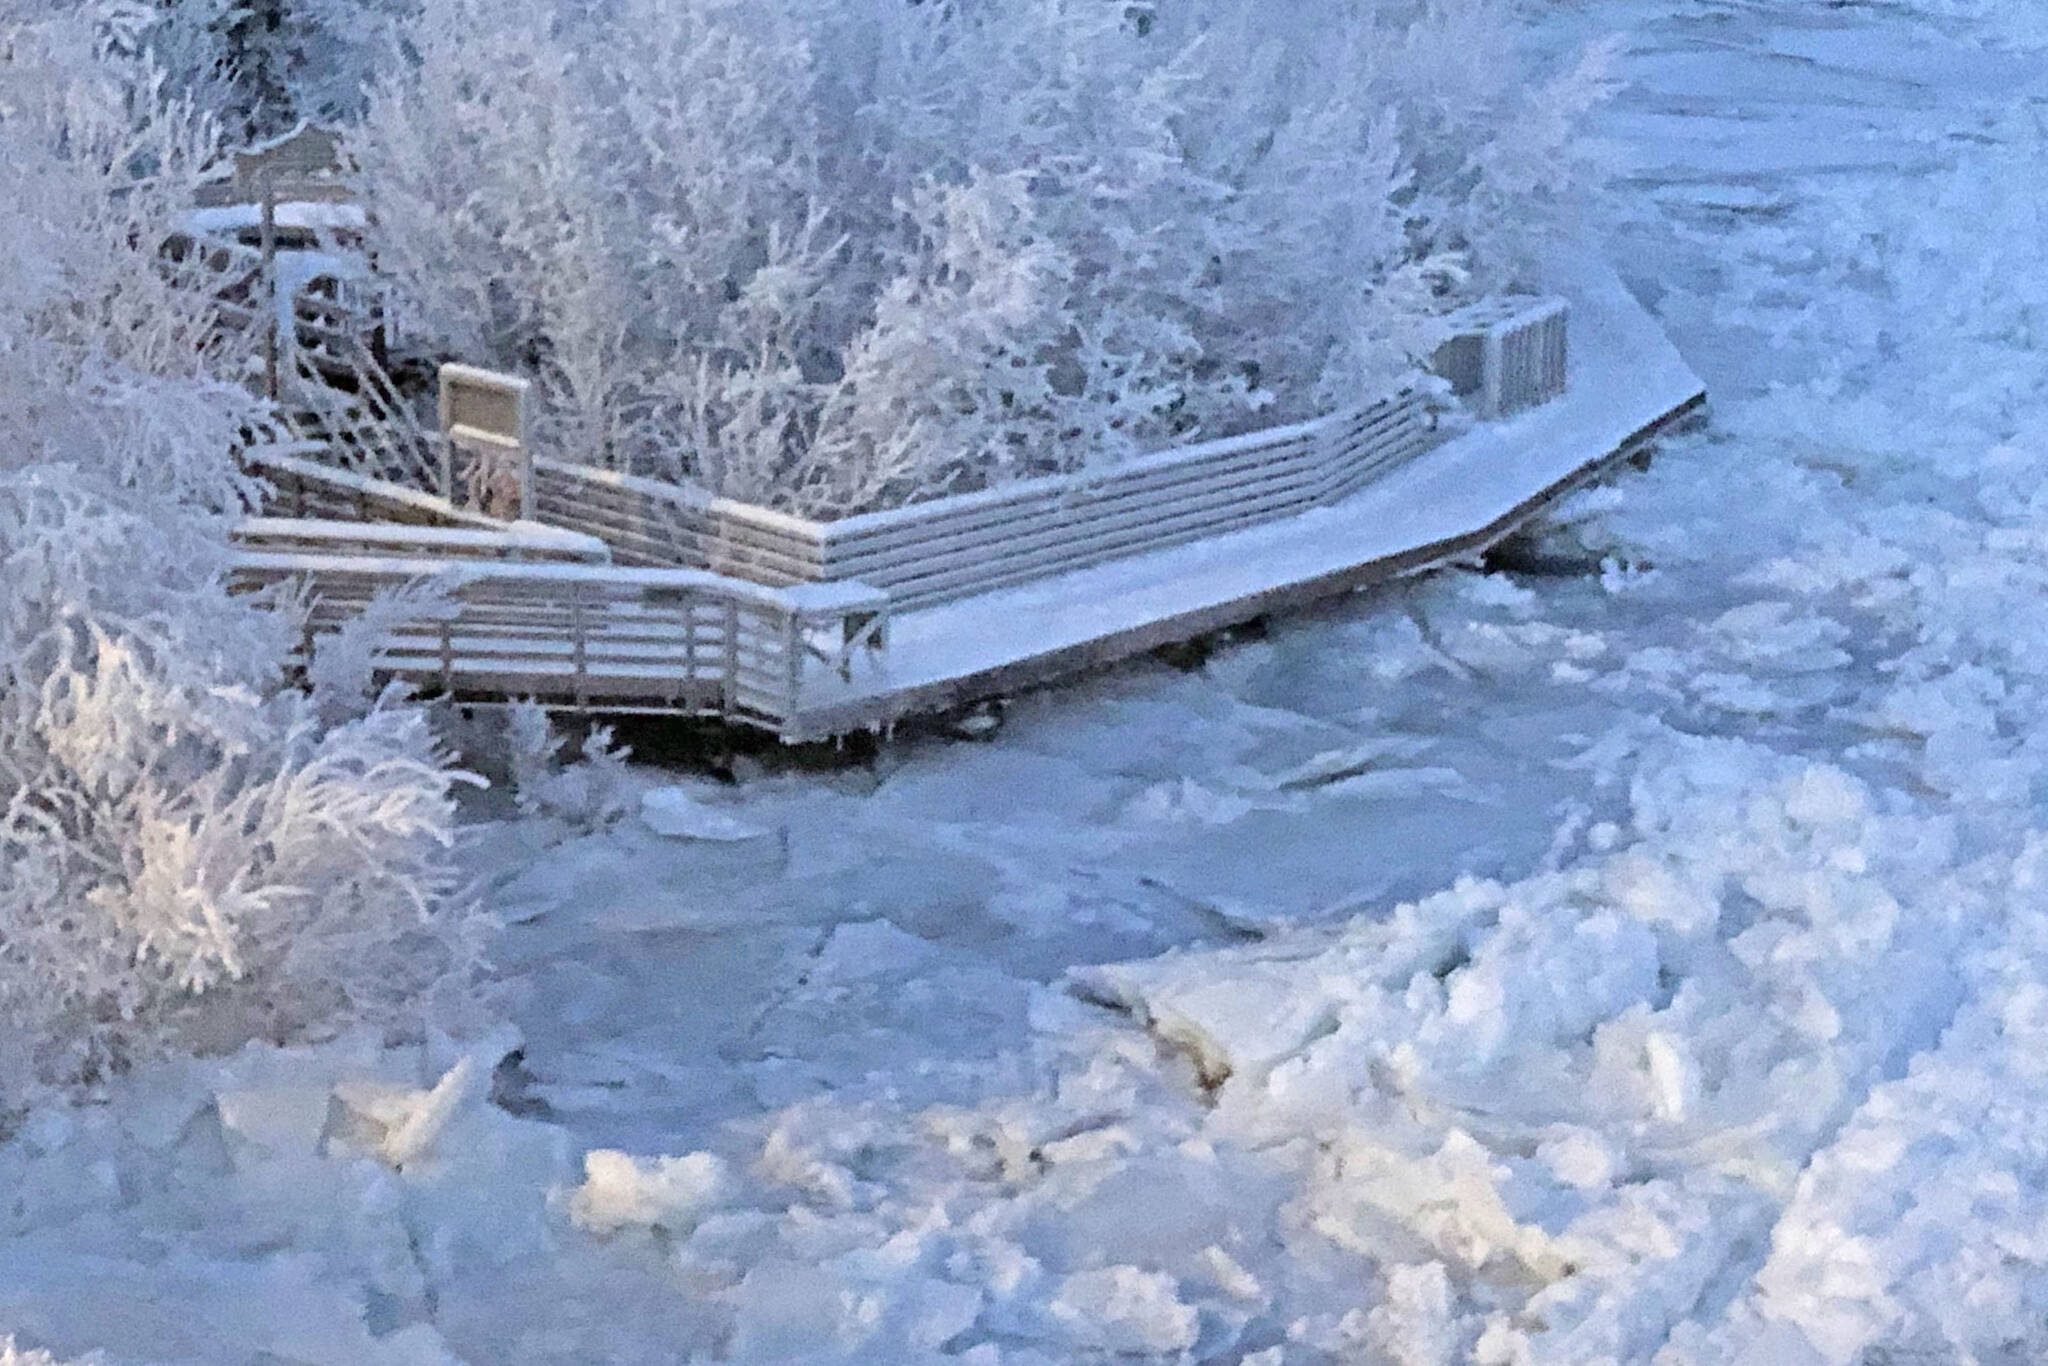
1637	958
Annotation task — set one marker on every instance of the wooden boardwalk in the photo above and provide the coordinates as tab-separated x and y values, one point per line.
1627	385
655	598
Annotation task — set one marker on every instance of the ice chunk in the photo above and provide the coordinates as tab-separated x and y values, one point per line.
11	1355
48	1130
787	1311
1230	1276
399	1124
860	1307
1579	1157
1125	1309
277	1119
1415	1327
619	1190
870	948
1653	892
1185	802
673	812
1451	1199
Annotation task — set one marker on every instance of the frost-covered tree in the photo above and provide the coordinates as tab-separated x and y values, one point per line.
837	254
189	856
262	66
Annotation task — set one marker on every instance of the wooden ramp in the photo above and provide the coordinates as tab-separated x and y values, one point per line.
1627	384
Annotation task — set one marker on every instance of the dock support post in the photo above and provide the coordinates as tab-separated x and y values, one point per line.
793	662
268	229
729	690
579	645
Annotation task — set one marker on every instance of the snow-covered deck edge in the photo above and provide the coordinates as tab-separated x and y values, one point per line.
1628	386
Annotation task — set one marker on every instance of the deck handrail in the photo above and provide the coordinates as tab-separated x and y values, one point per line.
593	636
357	538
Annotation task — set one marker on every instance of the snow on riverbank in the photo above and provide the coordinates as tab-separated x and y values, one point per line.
1637	966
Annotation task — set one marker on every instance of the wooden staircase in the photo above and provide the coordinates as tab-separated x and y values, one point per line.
338	394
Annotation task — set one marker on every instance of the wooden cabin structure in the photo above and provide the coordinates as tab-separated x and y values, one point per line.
591	590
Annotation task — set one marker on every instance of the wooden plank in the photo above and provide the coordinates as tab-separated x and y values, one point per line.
766	521
561	631
1376	461
422	652
514	678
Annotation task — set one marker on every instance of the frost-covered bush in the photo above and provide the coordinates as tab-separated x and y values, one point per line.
586	793
833	256
189	856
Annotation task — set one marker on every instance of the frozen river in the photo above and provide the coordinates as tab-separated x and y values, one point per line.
1634	955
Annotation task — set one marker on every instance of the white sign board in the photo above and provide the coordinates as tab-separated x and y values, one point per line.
483	422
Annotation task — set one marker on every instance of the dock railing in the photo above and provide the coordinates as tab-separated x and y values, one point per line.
1508	353
723	608
970	543
593	636
304	483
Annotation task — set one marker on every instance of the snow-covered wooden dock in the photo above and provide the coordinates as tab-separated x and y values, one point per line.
813	630
1627	384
